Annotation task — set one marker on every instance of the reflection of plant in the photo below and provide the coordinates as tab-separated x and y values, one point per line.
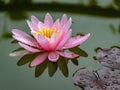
91	9
50	41
17	9
114	30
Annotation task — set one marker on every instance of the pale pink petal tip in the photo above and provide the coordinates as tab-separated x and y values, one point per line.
63	19
20	33
34	19
39	59
53	56
48	20
75	41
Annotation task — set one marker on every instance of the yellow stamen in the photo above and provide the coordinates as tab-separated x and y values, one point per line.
47	32
41	32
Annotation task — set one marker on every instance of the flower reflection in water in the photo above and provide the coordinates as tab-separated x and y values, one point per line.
52	45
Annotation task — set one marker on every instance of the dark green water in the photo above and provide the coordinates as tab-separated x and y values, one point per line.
13	77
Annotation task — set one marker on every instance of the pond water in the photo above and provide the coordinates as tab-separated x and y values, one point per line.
15	77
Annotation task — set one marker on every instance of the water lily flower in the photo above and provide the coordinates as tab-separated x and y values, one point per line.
50	39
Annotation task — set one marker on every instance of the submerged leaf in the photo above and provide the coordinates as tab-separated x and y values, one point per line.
40	68
26	58
79	51
52	67
62	64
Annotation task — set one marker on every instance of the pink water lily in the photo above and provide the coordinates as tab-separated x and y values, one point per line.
50	39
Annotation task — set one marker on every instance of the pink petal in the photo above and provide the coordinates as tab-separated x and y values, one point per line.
57	40
32	26
44	43
29	48
34	20
68	55
48	20
39	59
61	37
27	40
73	42
53	40
64	30
20	33
53	56
24	37
40	25
57	24
64	39
68	24
63	20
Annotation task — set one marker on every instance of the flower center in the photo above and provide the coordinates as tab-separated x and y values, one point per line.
47	32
